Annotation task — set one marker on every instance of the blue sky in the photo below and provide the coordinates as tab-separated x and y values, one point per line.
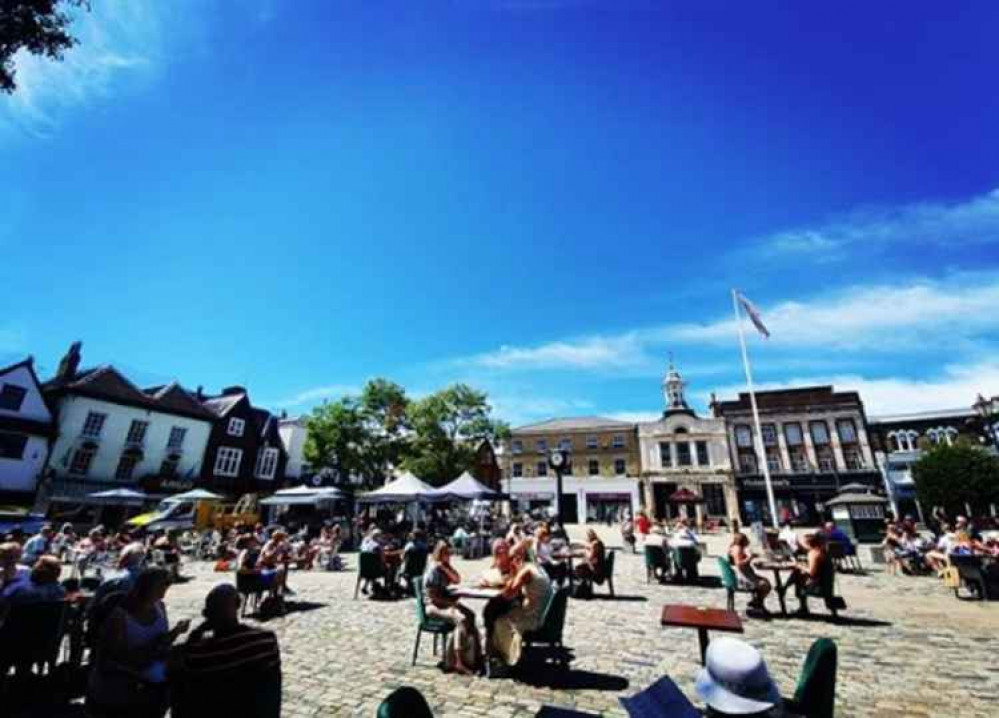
539	197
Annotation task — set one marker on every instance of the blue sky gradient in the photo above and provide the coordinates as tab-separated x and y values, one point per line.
541	198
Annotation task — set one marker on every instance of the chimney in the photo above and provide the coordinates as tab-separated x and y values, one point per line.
284	414
200	393
70	362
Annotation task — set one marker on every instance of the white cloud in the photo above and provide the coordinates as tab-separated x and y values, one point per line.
524	408
317	394
586	353
635	417
956	388
973	221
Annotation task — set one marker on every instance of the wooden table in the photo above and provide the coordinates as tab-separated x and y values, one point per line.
703	619
779	586
568	555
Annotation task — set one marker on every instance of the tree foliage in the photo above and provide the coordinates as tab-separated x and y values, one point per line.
382	429
39	26
952	476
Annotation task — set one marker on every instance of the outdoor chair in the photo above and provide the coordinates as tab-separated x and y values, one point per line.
413	565
815	696
32	635
405	702
608	572
663	699
657	563
427	624
552	625
971	574
826	590
844	556
251	587
685	560
730	581
370	570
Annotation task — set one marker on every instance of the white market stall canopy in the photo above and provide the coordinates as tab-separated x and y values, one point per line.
119	497
303	496
195	495
403	490
466	488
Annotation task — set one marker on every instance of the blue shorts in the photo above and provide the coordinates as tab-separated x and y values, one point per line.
268	576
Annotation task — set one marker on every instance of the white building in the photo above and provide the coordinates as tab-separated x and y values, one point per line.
112	434
26	431
293	434
684	451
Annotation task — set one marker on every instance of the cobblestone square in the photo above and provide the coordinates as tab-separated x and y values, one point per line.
907	647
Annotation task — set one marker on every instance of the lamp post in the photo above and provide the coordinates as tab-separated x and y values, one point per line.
557	460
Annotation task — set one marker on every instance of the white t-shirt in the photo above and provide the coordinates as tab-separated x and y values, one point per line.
946	542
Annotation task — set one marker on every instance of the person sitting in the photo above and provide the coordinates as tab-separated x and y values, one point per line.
463	653
167	544
742	561
593	568
129	677
530	585
516	533
130	565
64	541
735	681
13	574
249	561
542	547
835	533
275	556
223	656
788	540
38	545
42	584
809	581
936	558
329	548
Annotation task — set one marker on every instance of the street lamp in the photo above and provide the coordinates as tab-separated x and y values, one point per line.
557	460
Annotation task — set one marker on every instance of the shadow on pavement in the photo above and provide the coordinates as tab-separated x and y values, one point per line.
555	712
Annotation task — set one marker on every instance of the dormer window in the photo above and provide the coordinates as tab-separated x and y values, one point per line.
12	396
618	441
236	427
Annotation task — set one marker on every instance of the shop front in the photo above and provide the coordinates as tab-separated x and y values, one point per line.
800	500
583	500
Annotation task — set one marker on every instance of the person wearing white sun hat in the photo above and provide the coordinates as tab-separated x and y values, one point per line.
735	680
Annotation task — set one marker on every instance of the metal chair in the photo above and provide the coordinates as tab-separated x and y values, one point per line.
425	623
815	696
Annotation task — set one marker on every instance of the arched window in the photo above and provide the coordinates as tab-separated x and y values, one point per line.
912	437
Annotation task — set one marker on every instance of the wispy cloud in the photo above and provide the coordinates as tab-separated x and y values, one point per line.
617	350
973	221
316	395
956	388
118	39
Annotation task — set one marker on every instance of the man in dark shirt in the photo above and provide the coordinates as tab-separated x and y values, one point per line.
238	661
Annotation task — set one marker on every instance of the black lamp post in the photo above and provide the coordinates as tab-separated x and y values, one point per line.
557	460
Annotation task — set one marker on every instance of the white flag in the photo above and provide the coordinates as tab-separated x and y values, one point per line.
754	315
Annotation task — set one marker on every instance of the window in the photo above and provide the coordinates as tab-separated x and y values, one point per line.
847	431
542	468
517	446
825	458
853	459
227	461
594	467
714	499
236	427
702	453
747	463
620	467
267	463
769	432
541	446
168	469
799	462
792	433
82	458
137	432
592	442
820	433
773	462
665	455
743	436
177	434
618	441
517	470
12	396
93	425
12	445
683	453
126	465
565	445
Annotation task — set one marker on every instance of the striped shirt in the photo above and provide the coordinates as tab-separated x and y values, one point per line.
244	650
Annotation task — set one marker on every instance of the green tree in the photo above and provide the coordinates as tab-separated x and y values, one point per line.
383	407
39	26
952	476
336	437
446	429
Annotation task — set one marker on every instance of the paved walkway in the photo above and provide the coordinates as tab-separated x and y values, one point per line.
917	652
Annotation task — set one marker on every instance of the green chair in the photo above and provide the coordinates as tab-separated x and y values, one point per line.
405	702
414	563
552	624
427	624
370	570
608	572
826	590
730	581
815	696
656	562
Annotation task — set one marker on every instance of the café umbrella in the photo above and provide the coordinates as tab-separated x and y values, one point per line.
120	497
403	490
466	488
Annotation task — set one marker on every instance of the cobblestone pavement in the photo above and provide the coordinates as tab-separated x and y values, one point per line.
913	649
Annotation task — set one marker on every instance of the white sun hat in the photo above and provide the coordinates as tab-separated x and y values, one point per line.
735	679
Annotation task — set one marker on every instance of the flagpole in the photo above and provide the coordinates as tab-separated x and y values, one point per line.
761	454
